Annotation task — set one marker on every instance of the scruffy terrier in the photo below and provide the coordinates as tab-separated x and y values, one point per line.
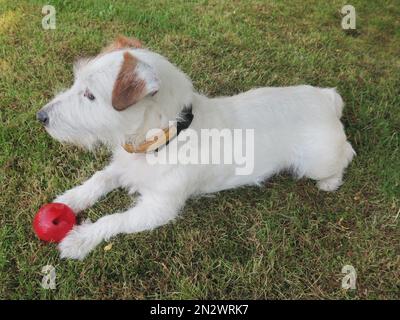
126	91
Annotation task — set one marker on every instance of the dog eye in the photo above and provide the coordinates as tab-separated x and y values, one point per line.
89	95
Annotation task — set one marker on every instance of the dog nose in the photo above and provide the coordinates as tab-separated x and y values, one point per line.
43	117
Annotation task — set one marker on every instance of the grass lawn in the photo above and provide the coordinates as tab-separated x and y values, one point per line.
284	240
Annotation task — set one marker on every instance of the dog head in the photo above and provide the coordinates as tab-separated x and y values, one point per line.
124	90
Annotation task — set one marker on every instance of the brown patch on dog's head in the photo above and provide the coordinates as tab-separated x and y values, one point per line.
128	88
122	43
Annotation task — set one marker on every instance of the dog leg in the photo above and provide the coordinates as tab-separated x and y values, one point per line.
331	183
152	211
86	195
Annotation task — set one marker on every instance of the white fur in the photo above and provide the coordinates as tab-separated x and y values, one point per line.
296	128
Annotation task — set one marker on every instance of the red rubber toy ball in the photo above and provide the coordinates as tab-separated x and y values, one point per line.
53	221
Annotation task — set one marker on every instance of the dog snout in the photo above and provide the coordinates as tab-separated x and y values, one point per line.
43	117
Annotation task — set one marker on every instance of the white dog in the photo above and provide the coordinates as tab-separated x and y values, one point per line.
118	96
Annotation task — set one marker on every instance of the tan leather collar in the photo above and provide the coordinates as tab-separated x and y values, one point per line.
183	121
153	143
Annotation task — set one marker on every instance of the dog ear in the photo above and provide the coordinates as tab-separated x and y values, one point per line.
122	42
135	81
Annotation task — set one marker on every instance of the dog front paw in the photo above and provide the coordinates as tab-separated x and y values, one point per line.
71	200
78	242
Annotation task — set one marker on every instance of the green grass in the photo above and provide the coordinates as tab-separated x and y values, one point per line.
284	240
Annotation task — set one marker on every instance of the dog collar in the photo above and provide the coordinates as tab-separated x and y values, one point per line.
183	121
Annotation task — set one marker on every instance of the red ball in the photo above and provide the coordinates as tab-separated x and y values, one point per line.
53	221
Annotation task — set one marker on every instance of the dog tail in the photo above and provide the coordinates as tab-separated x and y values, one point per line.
336	99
